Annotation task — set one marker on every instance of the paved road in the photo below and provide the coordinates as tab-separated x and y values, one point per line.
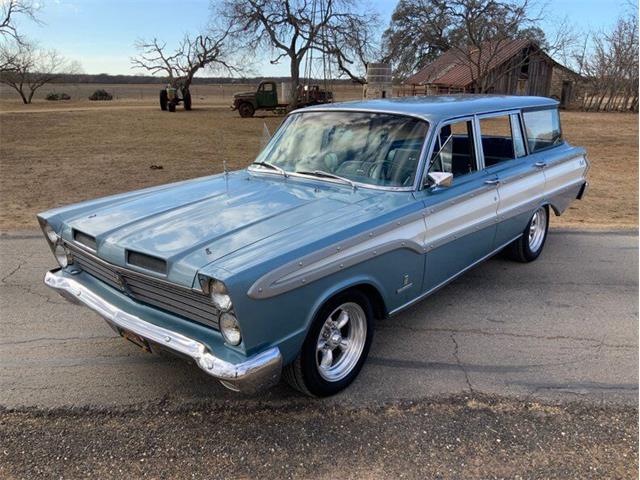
563	328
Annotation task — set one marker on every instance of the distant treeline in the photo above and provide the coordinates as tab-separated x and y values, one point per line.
140	79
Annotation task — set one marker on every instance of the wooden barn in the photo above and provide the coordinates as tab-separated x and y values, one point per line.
514	67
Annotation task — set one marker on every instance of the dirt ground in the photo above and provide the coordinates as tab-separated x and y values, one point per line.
54	153
445	439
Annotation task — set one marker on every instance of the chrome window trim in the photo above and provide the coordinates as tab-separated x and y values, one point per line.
432	140
523	133
421	160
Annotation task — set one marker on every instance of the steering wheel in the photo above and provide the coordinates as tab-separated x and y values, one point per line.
380	170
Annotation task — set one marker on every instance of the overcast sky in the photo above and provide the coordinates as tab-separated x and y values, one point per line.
100	33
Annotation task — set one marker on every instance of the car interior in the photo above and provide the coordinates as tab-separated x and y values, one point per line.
454	152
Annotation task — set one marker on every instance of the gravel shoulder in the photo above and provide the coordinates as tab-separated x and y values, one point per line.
458	437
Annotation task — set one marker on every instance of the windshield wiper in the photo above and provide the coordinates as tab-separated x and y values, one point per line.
322	173
272	167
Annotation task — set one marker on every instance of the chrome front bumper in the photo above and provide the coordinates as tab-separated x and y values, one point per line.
256	373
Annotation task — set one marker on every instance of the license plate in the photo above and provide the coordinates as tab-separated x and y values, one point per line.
136	339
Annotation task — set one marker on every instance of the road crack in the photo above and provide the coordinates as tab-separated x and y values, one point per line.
459	363
14	271
597	343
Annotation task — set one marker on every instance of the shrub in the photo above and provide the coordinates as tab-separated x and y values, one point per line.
101	94
57	96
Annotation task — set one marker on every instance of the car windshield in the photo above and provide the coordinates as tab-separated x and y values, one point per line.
367	148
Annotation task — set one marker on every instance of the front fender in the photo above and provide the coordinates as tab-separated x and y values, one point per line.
345	284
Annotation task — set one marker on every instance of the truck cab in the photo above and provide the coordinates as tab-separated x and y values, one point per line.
267	95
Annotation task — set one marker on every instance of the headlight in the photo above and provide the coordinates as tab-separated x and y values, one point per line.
62	256
52	236
220	296
230	329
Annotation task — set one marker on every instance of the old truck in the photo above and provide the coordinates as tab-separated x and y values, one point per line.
265	97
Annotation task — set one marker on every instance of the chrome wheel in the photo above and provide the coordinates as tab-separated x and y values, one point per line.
537	229
341	341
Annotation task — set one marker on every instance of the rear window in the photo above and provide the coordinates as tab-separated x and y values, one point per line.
542	128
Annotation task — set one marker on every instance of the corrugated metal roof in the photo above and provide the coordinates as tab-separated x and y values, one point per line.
456	69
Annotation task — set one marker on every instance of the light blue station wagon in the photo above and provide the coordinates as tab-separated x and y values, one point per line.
352	212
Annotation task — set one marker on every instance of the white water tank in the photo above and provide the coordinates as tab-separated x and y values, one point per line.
285	89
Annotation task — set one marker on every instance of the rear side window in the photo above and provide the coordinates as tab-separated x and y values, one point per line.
497	139
542	129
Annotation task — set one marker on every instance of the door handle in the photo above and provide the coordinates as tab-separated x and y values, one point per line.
541	164
494	181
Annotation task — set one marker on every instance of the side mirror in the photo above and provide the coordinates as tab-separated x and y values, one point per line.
440	179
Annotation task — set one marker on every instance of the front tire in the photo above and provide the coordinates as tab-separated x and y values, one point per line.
529	246
172	107
246	110
335	348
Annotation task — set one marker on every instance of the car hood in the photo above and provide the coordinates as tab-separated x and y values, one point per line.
197	223
244	94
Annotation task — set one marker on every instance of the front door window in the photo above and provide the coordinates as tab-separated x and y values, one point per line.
454	150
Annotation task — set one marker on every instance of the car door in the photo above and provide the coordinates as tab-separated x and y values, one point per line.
520	180
461	218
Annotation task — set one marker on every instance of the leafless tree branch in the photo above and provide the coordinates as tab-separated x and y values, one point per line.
9	10
29	67
191	55
296	29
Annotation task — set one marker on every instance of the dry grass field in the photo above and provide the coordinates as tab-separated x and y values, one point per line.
55	153
143	94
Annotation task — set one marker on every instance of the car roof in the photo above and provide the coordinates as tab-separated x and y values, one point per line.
439	107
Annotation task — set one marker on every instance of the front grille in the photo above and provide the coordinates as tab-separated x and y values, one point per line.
174	299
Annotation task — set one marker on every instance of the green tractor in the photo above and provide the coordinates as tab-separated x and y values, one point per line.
171	96
265	97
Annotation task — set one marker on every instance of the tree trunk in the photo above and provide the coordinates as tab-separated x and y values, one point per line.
24	99
295	82
31	95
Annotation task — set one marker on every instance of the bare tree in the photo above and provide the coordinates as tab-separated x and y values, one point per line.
612	68
9	9
191	55
30	68
295	29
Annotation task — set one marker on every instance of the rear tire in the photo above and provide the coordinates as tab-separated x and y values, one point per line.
530	244
332	355
246	110
187	100
163	100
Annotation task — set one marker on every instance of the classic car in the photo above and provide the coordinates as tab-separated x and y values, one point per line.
352	212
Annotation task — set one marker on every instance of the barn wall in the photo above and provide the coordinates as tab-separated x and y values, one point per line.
563	79
509	78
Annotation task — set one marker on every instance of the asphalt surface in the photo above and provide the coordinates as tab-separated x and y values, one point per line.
451	439
562	329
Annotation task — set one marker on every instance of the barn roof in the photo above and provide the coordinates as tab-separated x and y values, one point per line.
454	69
